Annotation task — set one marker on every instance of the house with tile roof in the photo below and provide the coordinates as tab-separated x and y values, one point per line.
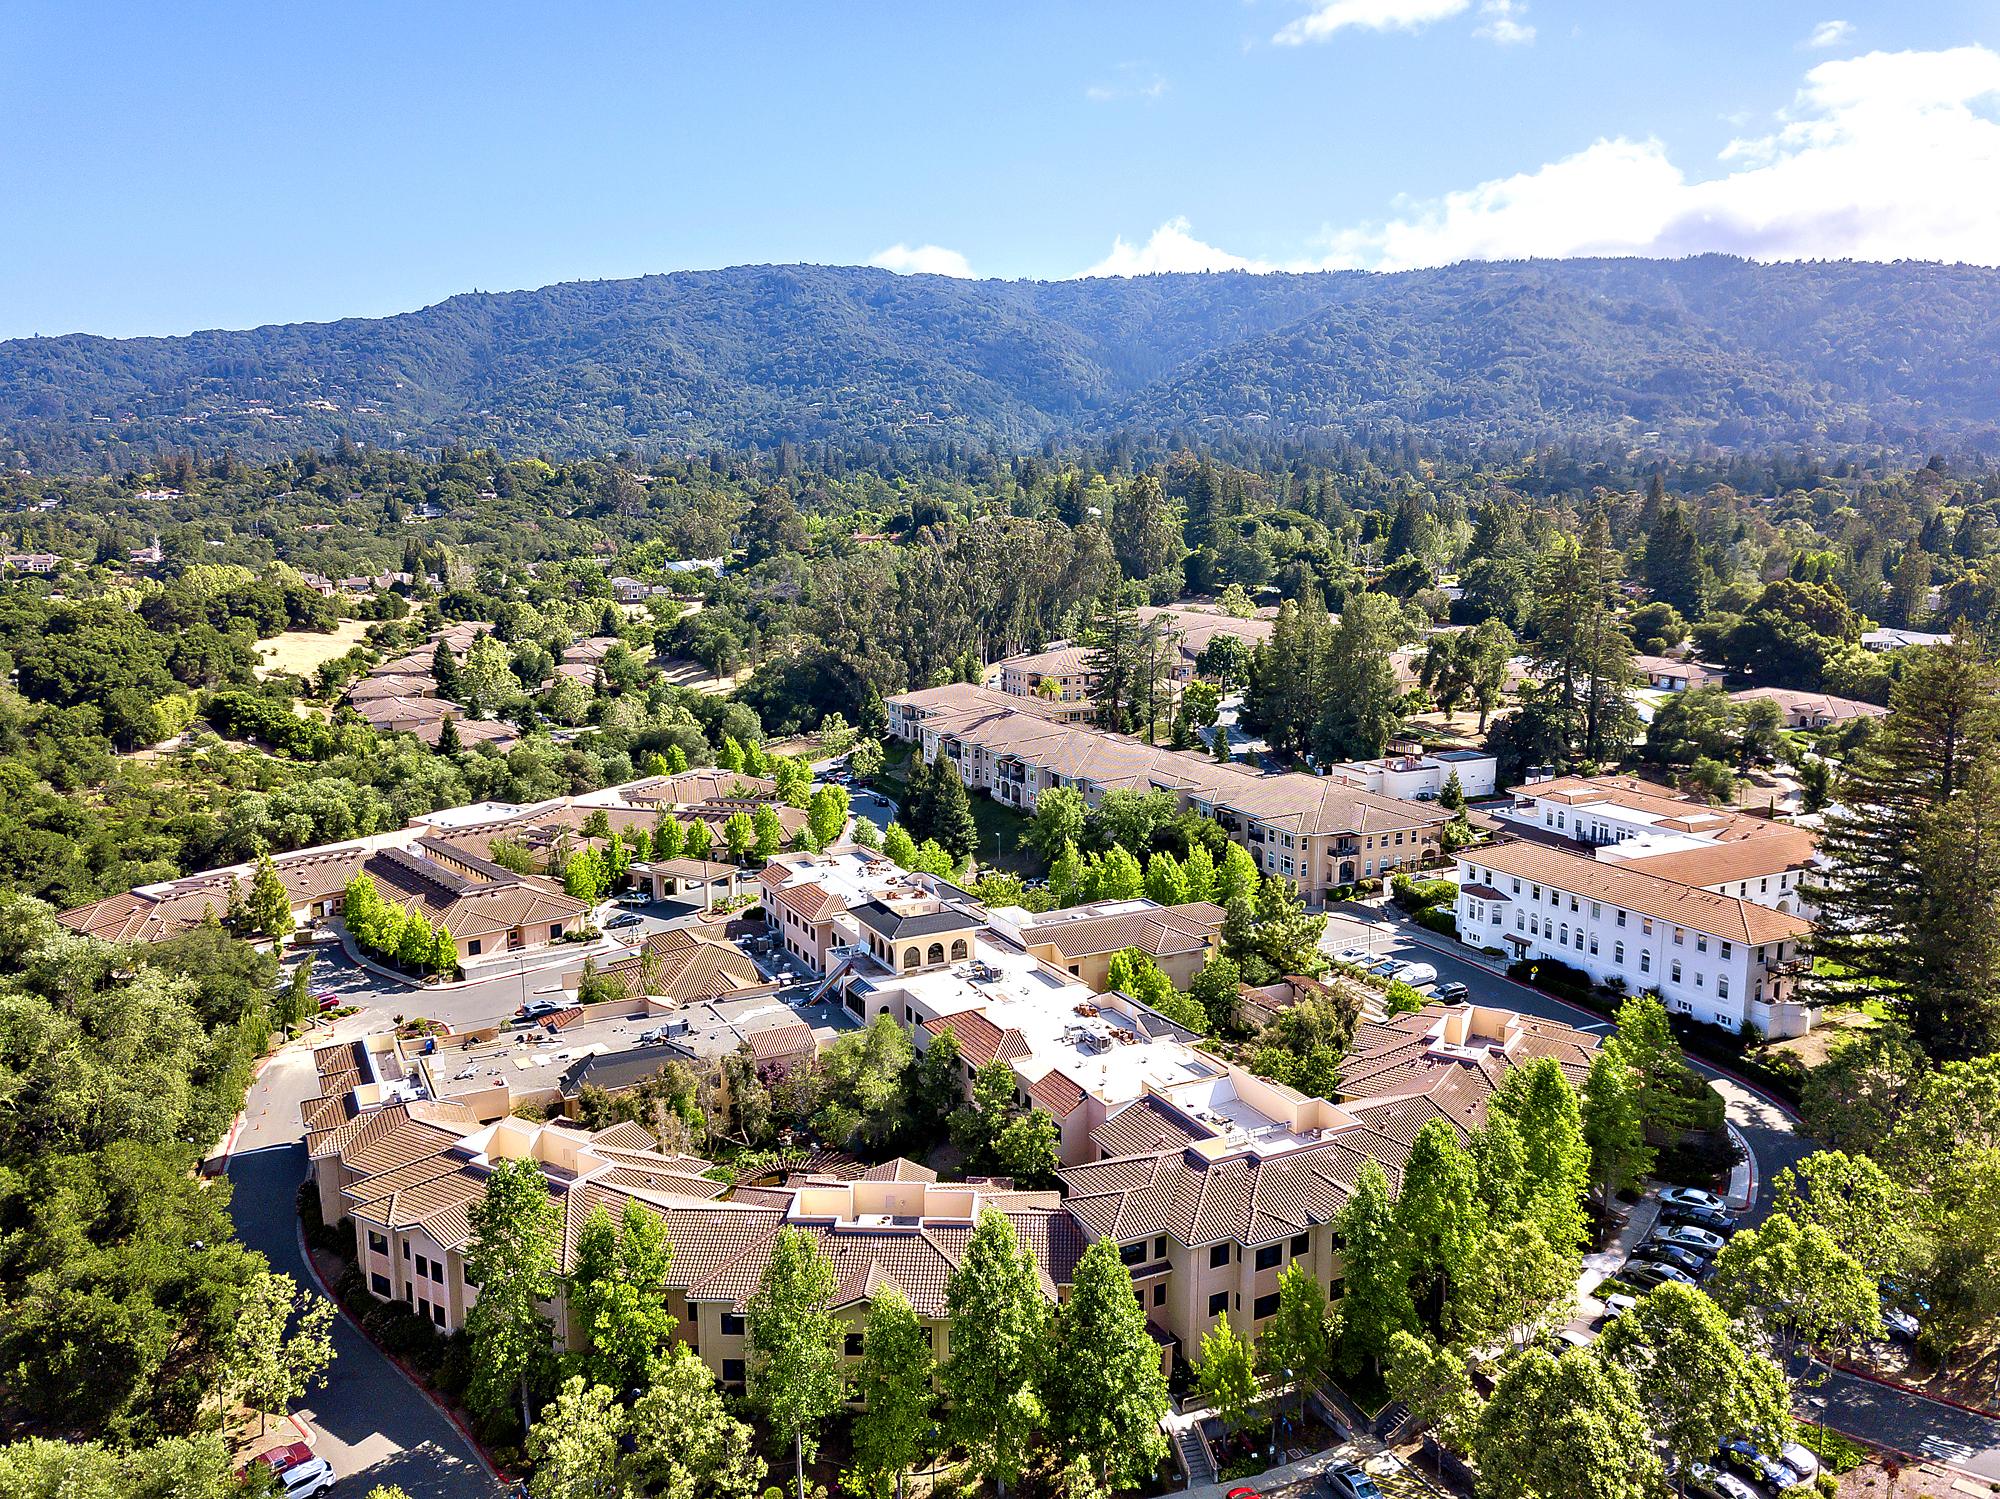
1082	940
1811	710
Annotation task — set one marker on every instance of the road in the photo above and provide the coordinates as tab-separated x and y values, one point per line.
371	1425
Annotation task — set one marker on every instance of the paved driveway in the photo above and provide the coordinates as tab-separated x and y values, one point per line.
372	1426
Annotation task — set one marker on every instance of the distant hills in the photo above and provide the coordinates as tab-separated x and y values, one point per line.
1635	353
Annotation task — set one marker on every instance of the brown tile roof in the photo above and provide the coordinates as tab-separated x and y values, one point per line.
1725	916
1160	932
1144	1125
1057	1092
1743	859
979	1040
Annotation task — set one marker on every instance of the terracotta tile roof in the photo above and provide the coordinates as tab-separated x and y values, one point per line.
1743	859
1159	932
1057	1093
1615	884
979	1040
1144	1125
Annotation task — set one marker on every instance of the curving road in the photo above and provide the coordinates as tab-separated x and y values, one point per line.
372	1425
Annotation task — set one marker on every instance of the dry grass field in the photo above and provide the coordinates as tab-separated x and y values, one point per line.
305	651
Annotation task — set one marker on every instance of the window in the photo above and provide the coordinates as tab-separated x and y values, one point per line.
1680	936
1700	942
406	1249
936	953
437	1313
555	930
423	1267
437	1271
1133	1254
1727	949
472	948
1264	1306
379	1283
732	1371
958	949
852	1345
1300	1244
1621	917
1160	1247
912	957
377	1243
1722	987
1674	973
1593	944
1218	1256
1618	954
1218	1303
1565	934
1645	962
1596	910
732	1325
1160	1294
1269	1255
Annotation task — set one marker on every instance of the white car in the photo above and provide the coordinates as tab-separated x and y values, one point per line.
307	1479
1801	1459
1693	1197
1707	1480
1617	1304
1354	957
1899	1323
1687	1236
1416	975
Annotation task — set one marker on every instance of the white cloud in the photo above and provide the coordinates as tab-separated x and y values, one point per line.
1328	17
922	260
1881	157
1130	80
1503	23
1830	33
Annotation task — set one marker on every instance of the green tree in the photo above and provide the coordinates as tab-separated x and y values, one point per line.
697	841
270	904
1438	1217
575	1444
1066	877
770	833
1860	1206
1613	1125
668	839
1513	1286
1026	1149
951	822
1104	1389
1567	1427
1582	655
267	1368
796	1373
999	1343
899	847
1215	989
1696	1385
1226	1374
1238	878
512	1259
1362	710
894	1384
686	1444
584	876
1375	1301
1297	1342
1666	1087
866	759
617	1296
1166	883
1199	873
739	835
1796	1284
826	814
1116	876
1543	1107
1434	1383
1057	822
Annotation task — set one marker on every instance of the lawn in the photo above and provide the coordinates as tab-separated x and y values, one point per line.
303	652
1000	828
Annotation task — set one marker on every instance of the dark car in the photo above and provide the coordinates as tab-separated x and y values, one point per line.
1646	1275
1699	1217
1685	1260
628	918
1450	993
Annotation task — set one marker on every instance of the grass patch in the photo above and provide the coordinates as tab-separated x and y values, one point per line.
303	652
1838	1454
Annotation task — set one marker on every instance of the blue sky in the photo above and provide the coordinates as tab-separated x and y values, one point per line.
171	167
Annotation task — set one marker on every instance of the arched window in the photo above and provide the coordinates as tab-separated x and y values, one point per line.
912	957
958	949
936	954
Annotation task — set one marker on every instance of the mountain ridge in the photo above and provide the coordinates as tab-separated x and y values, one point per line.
1706	351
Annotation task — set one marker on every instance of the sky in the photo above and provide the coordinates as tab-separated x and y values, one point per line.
165	168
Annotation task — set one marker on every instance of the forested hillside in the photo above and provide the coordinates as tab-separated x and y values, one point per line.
1620	355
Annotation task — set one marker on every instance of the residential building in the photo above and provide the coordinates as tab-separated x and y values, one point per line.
1671	674
1060	673
1811	710
1082	940
1417	776
39	563
1721	959
1896	640
1319	831
808	899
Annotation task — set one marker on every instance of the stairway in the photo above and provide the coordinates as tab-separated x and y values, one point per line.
1192	1453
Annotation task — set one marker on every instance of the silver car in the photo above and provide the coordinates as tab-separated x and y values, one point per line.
1687	1236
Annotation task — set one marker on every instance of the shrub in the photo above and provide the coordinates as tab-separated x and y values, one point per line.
1555	976
1422	895
1436	919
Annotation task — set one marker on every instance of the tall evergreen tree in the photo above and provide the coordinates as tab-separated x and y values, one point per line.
1362	710
1583	653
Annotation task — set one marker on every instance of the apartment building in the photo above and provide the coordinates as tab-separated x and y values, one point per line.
1082	940
1416	776
1060	675
1671	674
809	899
1319	831
1721	959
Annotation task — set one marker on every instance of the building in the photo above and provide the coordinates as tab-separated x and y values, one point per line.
1321	831
1422	777
1671	674
38	563
1060	674
487	909
1721	959
1896	640
1082	940
1811	710
808	899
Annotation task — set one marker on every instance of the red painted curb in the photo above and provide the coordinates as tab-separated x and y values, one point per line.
1868	1376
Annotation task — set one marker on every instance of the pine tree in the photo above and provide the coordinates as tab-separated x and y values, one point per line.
951	821
269	910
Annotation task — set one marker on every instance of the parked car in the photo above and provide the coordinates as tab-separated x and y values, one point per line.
1416	975
1617	1304
1243	1494
1711	1483
1801	1459
1687	1236
307	1479
636	898
1354	957
1699	1217
1671	1254
1692	1197
534	1009
1346	1481
1898	1323
1775	1472
1451	992
280	1459
328	1001
624	919
1386	969
1645	1275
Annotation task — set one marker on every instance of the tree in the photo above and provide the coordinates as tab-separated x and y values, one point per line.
899	847
1613	1125
1438	1215
486	681
951	820
999	1338
1226	1374
1166	884
1860	1206
866	759
1433	1382
1696	1385
1566	1427
266	1368
1583	657
1298	1340
1115	876
1911	894
1362	711
270	905
739	835
575	1444
1105	1391
1796	1283
697	841
585	877
1238	878
1057	822
796	1373
1026	1149
770	833
1513	1285
1375	1301
1199	873
686	1445
826	814
1555	1175
512	1259
668	838
894	1383
1215	989
617	1295
1666	1087
1066	877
